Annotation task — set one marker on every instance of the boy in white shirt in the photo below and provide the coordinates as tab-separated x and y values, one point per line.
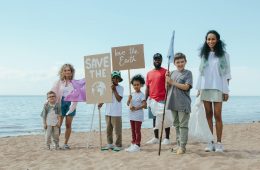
114	114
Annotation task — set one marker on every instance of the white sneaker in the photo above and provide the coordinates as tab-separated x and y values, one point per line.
153	141
135	148
210	147
219	147
166	142
129	148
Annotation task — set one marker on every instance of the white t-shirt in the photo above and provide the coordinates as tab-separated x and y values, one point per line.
115	108
52	118
211	79
67	89
137	99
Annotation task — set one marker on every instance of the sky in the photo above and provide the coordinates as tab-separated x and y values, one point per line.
37	37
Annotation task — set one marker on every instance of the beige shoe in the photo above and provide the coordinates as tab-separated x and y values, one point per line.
180	151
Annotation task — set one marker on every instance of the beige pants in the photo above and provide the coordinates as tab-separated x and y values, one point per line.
114	122
52	131
181	122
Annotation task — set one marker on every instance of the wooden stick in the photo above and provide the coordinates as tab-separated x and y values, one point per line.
164	108
129	82
90	129
100	135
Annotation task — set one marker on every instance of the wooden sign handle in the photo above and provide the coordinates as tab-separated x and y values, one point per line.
129	82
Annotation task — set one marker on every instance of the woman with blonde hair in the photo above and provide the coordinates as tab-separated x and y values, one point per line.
63	87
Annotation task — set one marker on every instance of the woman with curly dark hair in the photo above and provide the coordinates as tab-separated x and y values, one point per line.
213	83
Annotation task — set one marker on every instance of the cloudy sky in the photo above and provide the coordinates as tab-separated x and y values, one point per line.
37	37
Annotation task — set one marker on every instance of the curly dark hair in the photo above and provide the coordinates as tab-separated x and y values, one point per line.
219	48
139	78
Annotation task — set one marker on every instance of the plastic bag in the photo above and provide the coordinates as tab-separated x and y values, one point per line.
157	110
198	124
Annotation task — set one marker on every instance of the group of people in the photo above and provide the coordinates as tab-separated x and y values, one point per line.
212	88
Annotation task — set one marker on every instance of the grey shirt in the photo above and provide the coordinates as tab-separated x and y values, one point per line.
177	99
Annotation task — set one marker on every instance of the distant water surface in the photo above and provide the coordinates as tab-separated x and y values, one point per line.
20	115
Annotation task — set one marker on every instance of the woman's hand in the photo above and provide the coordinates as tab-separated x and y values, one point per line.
225	97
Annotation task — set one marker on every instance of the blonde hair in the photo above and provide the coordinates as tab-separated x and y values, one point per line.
62	77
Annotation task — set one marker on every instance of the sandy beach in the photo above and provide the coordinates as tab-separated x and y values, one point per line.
241	142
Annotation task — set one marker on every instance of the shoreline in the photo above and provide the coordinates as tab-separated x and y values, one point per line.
41	133
241	143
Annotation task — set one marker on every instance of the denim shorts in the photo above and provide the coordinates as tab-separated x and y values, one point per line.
65	106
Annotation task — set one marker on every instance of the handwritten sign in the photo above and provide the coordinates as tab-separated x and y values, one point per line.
128	57
98	78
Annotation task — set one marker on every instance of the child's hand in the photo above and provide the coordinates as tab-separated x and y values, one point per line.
58	125
129	100
100	105
167	74
132	108
113	87
198	93
45	126
168	80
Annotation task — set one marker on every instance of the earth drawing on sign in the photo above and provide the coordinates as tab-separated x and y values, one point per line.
98	88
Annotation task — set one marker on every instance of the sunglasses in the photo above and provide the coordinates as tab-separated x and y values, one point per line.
51	96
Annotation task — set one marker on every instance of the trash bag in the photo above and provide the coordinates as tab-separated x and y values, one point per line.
198	124
157	110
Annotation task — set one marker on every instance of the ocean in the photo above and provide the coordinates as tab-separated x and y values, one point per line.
20	115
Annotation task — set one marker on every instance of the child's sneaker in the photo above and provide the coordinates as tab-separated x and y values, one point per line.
180	151
135	148
109	146
48	147
66	146
175	148
153	141
219	147
57	147
210	147
166	142
117	149
129	148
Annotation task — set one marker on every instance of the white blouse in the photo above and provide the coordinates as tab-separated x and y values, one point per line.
211	78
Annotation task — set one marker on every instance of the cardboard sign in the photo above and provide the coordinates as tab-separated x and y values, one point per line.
128	57
98	78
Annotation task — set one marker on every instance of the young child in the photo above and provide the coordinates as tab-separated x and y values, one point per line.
51	115
136	103
114	113
178	100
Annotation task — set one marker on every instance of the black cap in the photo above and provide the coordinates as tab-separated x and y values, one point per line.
157	55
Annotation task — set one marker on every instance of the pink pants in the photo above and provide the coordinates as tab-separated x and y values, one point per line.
136	132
